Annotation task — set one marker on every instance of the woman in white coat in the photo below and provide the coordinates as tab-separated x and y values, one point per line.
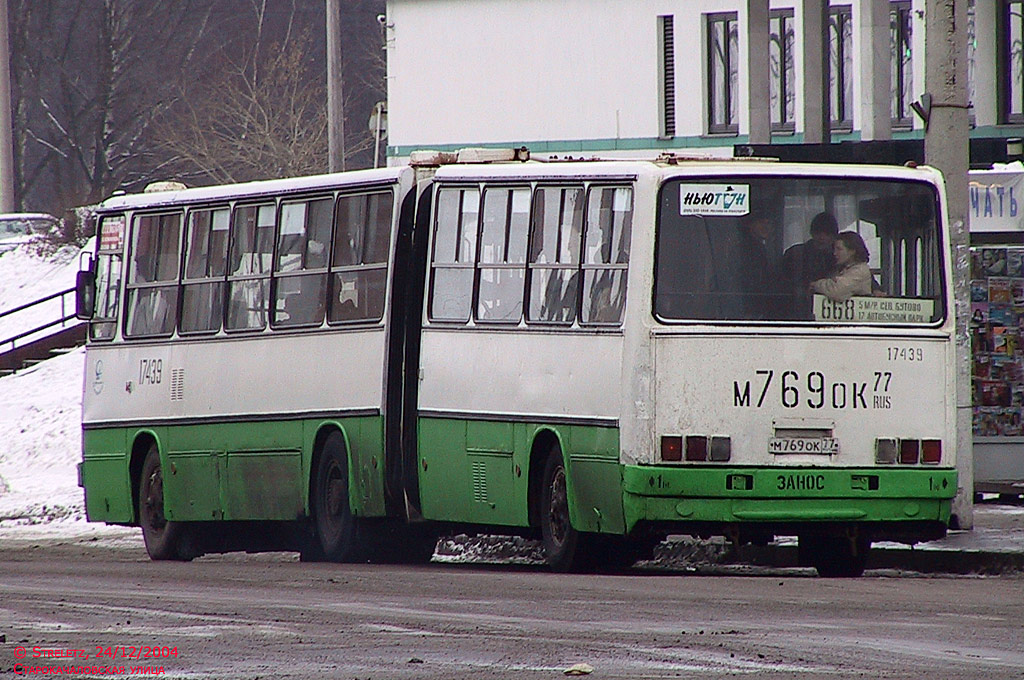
852	276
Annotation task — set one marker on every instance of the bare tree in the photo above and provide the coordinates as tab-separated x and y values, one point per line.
106	92
264	113
256	121
90	79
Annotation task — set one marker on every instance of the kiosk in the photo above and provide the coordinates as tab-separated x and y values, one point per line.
997	327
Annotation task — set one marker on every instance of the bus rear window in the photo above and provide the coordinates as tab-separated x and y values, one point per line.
818	250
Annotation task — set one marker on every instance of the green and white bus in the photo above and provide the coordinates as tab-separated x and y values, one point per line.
595	353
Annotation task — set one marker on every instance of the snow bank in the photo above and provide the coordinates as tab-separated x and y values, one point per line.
40	412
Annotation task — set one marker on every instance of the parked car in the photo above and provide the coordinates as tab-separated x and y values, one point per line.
17	228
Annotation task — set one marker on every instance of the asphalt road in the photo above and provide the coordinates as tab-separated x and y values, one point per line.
269	616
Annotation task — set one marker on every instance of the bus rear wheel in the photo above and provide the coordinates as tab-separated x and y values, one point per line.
164	539
562	543
835	556
333	523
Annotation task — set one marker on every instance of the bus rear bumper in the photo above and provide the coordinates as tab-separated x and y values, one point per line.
898	504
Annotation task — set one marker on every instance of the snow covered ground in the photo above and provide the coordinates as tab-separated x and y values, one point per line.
40	414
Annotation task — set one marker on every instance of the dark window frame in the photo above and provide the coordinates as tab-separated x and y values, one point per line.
1011	108
730	20
784	80
901	20
667	56
840	16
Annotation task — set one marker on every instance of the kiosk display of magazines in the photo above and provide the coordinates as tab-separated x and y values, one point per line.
997	328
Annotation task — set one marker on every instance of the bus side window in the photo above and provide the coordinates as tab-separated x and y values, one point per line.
454	254
153	275
206	246
502	262
359	259
555	243
606	254
300	273
249	260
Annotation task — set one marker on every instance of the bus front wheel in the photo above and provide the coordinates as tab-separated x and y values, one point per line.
164	539
333	522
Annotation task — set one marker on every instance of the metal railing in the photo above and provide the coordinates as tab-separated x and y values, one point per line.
67	313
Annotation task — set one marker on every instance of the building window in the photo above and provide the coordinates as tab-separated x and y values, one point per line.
723	57
667	43
840	72
902	71
783	78
1011	61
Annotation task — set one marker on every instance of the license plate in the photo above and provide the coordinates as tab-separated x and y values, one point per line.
817	445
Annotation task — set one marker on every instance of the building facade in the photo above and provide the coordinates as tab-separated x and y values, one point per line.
642	77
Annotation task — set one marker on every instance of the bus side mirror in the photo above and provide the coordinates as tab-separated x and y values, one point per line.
85	294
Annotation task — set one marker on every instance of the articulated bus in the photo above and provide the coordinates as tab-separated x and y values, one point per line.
597	354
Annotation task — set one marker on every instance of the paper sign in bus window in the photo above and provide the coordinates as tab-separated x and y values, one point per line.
714	199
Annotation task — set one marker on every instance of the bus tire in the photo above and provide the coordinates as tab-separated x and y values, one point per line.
164	539
835	556
562	543
333	523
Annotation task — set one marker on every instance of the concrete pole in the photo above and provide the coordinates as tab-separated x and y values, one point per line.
946	148
875	76
7	199
759	73
335	90
815	32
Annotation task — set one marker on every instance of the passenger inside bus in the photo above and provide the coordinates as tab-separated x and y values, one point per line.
851	275
809	261
758	267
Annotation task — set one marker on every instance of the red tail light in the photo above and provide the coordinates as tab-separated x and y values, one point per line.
931	451
672	447
696	448
910	451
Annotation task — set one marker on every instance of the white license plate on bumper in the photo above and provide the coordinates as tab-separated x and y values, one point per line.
827	446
